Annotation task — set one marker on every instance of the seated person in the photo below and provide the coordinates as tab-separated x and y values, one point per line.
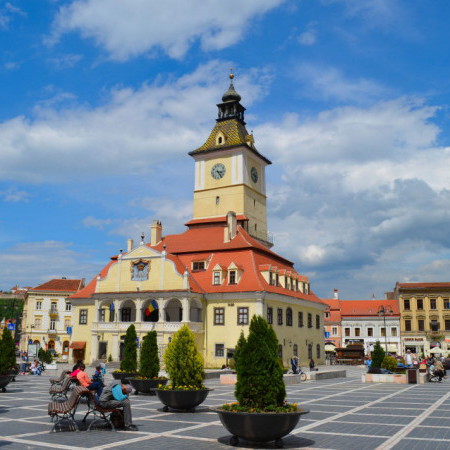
85	381
35	368
115	395
98	375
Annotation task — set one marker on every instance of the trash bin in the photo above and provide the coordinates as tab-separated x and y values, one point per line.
413	376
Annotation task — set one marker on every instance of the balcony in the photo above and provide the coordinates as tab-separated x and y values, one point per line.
168	327
53	312
51	332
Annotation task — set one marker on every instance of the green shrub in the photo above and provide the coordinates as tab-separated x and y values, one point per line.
41	353
46	356
378	355
389	363
149	358
260	382
7	352
184	364
110	358
129	363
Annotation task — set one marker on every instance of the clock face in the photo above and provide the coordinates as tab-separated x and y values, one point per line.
254	174
218	171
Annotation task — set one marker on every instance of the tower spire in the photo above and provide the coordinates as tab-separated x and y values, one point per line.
230	108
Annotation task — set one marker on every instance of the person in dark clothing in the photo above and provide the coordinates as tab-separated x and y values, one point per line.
311	365
76	366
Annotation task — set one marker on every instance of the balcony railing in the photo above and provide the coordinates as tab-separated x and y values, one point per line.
196	327
51	331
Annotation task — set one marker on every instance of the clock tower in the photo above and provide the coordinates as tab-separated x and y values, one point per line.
230	172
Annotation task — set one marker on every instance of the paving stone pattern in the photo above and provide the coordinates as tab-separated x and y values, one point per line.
344	414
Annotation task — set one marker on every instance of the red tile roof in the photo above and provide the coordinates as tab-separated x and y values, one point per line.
60	284
222	219
350	308
423	285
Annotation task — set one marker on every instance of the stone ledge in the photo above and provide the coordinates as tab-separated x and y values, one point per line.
390	378
326	375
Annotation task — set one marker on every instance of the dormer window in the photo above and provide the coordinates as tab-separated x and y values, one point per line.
216	278
232	277
220	139
198	265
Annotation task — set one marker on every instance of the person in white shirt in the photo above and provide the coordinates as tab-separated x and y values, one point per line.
409	358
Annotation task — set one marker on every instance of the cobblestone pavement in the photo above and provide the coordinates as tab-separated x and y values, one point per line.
344	414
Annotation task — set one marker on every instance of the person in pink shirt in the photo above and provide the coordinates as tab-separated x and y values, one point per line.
85	381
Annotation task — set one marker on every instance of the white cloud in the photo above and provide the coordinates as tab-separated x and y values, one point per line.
14	195
135	27
134	129
66	61
92	222
309	36
329	83
23	263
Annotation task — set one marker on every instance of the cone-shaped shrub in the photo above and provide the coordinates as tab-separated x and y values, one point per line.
184	364
259	374
129	363
149	359
378	355
7	352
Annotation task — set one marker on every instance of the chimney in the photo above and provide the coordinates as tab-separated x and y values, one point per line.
231	229
336	294
130	244
155	232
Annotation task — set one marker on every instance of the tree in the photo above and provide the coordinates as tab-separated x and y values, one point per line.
149	358
378	355
184	364
259	374
7	352
129	363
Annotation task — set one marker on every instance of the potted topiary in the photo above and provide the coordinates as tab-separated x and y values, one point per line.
184	364
7	359
148	378
378	355
261	413
128	366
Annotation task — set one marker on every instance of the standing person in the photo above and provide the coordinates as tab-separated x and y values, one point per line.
439	369
294	364
311	365
409	358
85	381
115	395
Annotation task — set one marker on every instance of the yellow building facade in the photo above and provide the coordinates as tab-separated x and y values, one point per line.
213	277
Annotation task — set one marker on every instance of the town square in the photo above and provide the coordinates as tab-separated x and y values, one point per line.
224	224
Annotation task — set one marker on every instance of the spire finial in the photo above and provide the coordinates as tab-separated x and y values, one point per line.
231	74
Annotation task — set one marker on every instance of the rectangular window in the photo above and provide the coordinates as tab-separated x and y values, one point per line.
126	314
67	323
447	324
220	350
52	324
421	325
318	321
270	315
347	332
68	306
407	325
406	304
419	303
318	350
37	323
242	316
310	320
334	331
432	303
383	332
370	332
233	277
357	331
219	316
280	316
216	278
83	316
394	331
198	265
38	305
446	303
300	319
434	325
101	315
54	307
271	278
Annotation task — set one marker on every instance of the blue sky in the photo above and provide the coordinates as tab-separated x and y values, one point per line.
101	101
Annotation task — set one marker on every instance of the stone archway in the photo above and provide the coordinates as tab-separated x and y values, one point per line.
127	311
195	310
173	310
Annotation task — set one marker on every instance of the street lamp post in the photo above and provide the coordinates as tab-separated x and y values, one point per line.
383	311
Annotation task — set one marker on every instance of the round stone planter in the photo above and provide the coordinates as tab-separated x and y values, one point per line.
4	381
124	376
182	400
146	386
259	427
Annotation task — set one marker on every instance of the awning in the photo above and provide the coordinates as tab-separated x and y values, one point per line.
329	348
77	345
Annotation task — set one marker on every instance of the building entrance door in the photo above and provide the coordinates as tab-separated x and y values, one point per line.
102	350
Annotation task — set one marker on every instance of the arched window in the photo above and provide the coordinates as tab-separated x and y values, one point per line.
280	351
310	351
318	350
295	350
289	317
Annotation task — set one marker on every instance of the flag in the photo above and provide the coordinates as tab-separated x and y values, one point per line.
111	307
153	306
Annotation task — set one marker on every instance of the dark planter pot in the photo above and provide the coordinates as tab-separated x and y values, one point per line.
146	386
4	381
14	372
123	376
182	400
259	427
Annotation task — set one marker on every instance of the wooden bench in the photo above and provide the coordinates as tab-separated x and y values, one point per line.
60	390
99	413
60	379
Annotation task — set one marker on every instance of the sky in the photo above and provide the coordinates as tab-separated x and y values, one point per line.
101	100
